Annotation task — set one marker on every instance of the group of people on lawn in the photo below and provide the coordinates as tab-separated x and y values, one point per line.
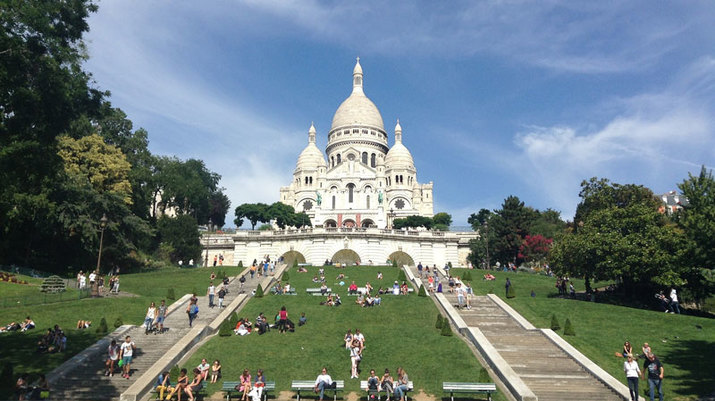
248	387
651	365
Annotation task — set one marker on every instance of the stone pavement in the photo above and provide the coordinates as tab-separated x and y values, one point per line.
81	378
539	368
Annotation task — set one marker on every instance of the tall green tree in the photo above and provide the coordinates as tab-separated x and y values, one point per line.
218	207
180	235
44	91
442	221
510	225
698	216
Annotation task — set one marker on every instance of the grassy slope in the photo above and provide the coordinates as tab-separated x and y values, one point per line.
399	333
687	352
148	287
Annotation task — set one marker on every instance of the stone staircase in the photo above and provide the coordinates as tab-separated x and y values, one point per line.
548	371
84	380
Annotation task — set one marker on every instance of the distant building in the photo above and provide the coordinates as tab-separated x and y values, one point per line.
364	182
672	202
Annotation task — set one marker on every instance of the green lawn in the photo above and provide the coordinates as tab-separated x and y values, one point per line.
399	333
147	287
685	344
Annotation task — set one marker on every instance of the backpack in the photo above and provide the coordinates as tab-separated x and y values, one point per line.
242	279
194	309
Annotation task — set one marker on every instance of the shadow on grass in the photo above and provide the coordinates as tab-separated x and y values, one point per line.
695	359
20	351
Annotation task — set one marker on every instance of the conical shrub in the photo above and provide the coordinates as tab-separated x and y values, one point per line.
555	326
568	328
102	328
446	329
401	276
259	291
422	292
118	322
171	294
225	330
440	319
286	276
240	263
295	263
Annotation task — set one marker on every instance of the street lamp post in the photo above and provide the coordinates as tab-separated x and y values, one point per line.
206	259
102	226
486	233
391	215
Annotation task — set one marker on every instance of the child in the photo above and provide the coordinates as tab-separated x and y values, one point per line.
215	371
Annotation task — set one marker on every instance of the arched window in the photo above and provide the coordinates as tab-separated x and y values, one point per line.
364	158
368	201
332	161
333	202
397	179
351	187
306	180
311	180
338	159
372	161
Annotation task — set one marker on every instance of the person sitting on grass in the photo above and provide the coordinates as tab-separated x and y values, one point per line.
369	300
322	382
181	384
368	287
323	288
241	328
302	269
195	386
261	323
244	386
163	383
83	324
337	301
215	371
404	289
28	324
286	289
360	300
204	368
303	320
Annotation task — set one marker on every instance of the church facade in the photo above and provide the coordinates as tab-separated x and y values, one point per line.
360	181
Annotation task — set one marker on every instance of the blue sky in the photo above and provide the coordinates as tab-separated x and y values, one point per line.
495	98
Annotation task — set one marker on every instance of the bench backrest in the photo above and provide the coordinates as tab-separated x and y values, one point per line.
340	384
363	384
270	385
469	386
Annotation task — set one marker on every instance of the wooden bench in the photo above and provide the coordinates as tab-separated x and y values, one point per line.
469	388
409	291
363	386
230	388
316	291
309	385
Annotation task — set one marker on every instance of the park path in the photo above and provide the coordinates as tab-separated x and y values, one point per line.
544	368
81	378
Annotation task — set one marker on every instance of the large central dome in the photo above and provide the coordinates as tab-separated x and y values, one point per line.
357	109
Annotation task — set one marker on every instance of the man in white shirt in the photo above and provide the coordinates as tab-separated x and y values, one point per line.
322	382
460	296
674	301
211	293
125	354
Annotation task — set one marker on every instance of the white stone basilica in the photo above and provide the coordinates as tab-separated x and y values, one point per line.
364	183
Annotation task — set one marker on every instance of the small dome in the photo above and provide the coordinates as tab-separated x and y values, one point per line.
311	157
399	157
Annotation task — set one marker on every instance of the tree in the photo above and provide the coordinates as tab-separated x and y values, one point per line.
535	248
44	92
477	220
548	224
182	233
412	222
284	215
254	212
442	221
218	207
621	237
510	225
186	186
92	161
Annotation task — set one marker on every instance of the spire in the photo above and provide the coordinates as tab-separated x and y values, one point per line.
311	133
398	132
357	77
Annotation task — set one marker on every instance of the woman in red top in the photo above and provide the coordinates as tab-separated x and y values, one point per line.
282	318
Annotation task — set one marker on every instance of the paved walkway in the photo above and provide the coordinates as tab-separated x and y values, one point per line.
82	378
545	368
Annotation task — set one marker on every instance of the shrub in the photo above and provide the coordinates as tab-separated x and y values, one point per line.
422	292
510	293
440	321
555	326
446	329
295	263
174	373
259	291
171	294
225	330
240	263
401	276
286	276
568	328
449	264
102	328
394	262
118	322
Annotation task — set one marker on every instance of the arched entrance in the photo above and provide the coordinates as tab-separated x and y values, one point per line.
367	223
293	256
402	258
346	256
349	223
330	223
